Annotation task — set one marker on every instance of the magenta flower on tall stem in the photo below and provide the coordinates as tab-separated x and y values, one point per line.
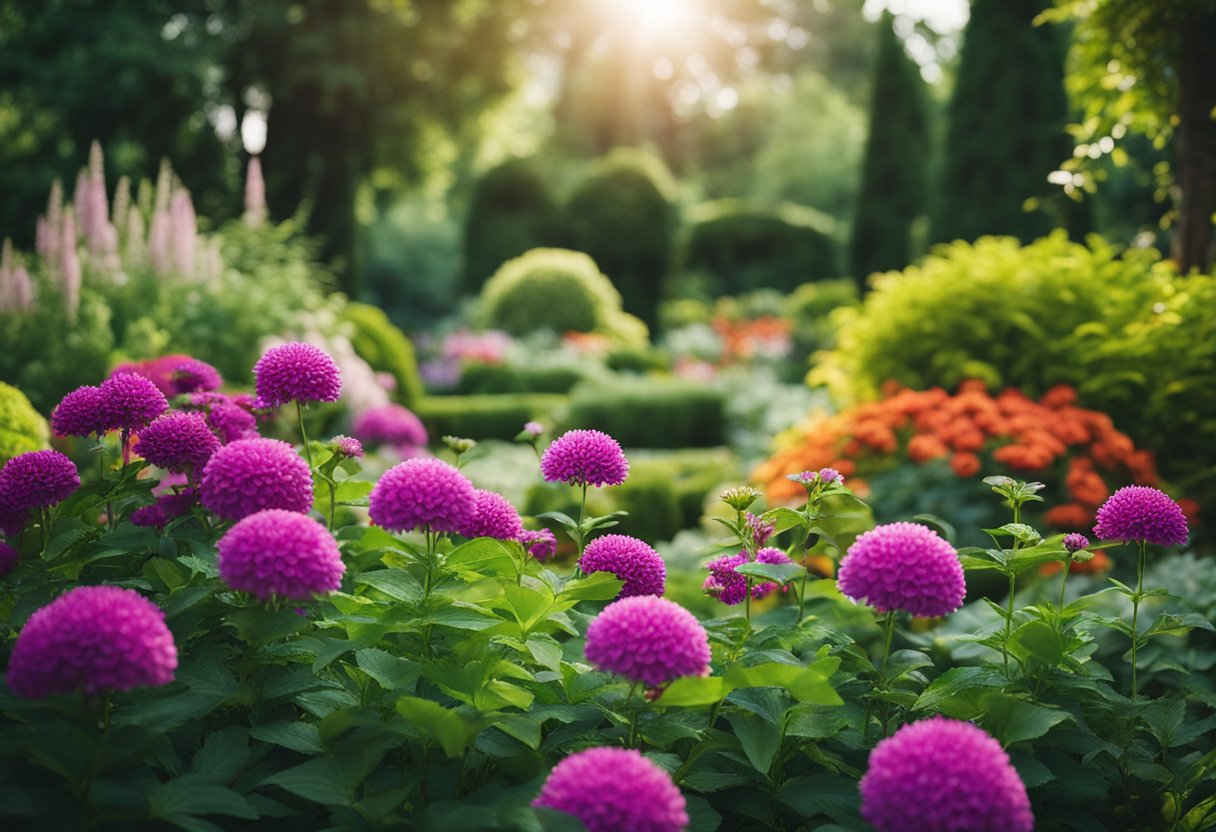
584	458
280	554
300	373
614	789
130	402
633	561
36	481
1144	515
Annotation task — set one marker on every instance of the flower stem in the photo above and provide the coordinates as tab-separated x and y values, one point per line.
888	637
304	434
45	522
1013	579
1136	613
333	501
1063	583
125	438
802	594
582	514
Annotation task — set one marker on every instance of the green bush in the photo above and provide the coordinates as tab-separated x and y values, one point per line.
548	288
511	211
1136	340
485	417
21	427
505	378
622	216
386	348
737	249
651	413
810	309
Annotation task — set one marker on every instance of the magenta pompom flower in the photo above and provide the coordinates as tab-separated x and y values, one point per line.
1143	514
585	457
178	442
225	416
724	583
280	554
423	494
394	425
94	639
297	372
943	775
9	558
255	474
347	447
194	376
633	561
648	639
903	566
36	479
614	789
80	413
1075	542
153	516
494	516
130	402
541	543
533	429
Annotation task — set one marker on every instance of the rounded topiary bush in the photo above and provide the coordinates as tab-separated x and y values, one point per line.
511	211
549	288
21	427
385	348
622	215
738	249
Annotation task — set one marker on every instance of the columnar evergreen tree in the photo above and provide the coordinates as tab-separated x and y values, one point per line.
1006	125
893	177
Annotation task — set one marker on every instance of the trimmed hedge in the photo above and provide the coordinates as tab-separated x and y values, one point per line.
503	378
739	249
386	349
549	288
485	417
651	413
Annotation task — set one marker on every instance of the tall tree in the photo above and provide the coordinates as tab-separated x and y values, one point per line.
893	180
1006	125
1150	68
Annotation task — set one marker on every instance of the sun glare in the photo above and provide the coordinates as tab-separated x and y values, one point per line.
652	17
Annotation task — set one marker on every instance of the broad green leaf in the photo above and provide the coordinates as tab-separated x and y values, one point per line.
780	572
822	794
451	729
321	781
1012	720
298	736
956	681
1038	640
528	605
483	553
806	684
1173	624
462	616
395	583
784	519
598	586
185	797
390	672
694	691
222	756
760	739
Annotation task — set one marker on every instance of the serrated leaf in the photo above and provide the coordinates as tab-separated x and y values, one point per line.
782	573
397	584
451	729
1012	720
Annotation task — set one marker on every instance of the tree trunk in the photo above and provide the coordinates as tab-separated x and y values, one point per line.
1195	143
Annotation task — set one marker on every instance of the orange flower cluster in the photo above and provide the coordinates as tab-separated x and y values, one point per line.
1022	436
744	340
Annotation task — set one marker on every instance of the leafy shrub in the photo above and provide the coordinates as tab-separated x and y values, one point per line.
503	378
1135	339
486	417
651	413
386	348
511	211
739	249
21	427
548	288
622	216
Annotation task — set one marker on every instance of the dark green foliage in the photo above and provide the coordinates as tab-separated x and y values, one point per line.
504	378
810	310
485	417
511	211
549	288
1006	126
385	348
893	180
651	413
622	216
638	360
738	249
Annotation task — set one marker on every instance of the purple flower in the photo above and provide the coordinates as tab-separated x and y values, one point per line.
612	789
255	474
633	561
9	558
194	376
80	413
541	543
178	442
648	639
903	566
772	556
225	416
533	429
152	516
423	494
1143	514
585	457
129	402
280	554
345	446
1075	542
943	775
724	583
297	372
830	475
494	516
391	424
761	531
95	639
36	479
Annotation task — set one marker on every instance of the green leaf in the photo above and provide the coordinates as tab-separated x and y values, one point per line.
390	672
481	553
321	781
298	736
222	756
1012	720
598	586
760	739
451	729
694	691
956	681
784	519
546	650
782	573
463	616
528	605
181	799
821	794
1172	624
551	820
933	521
1038	640
806	684
395	583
